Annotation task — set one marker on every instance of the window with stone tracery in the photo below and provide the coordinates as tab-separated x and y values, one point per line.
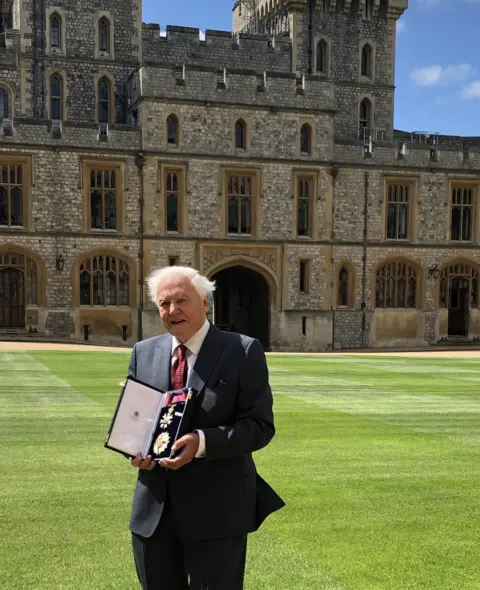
366	65
399	197
56	97
11	195
454	276
55	31
306	139
172	130
104	100
172	200
104	280
240	135
4	103
462	214
103	199
396	286
305	201
239	208
322	57
104	34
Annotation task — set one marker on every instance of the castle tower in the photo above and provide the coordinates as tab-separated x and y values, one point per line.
58	40
351	42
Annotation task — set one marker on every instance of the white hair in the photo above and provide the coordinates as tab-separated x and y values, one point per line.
202	285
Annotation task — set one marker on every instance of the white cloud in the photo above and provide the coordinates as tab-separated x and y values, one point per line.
202	35
439	76
401	26
471	91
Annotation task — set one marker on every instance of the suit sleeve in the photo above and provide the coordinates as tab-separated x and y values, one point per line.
132	367
254	426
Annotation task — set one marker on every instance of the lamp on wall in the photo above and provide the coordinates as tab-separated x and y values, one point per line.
60	263
434	271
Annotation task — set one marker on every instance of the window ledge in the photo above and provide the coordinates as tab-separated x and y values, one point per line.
12	227
104	231
240	236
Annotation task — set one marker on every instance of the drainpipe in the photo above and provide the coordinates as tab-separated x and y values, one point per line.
140	161
35	58
364	258
42	58
334	174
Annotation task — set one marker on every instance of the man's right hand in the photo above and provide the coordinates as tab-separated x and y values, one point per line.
140	463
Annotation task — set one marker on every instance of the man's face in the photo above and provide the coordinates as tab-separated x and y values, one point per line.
182	311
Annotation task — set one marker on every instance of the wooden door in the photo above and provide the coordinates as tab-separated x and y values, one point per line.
12	298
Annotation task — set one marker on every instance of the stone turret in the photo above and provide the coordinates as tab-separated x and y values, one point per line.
351	42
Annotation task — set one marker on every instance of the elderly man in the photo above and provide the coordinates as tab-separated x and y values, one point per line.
191	514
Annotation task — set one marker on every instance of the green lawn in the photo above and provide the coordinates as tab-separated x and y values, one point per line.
378	459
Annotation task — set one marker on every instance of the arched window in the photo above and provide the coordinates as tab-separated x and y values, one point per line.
4	103
103	199
104	35
306	139
366	61
104	280
368	9
56	88
365	117
172	204
343	287
55	31
104	100
240	135
322	57
172	130
396	286
455	283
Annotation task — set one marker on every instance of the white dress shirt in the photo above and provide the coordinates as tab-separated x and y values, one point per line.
193	347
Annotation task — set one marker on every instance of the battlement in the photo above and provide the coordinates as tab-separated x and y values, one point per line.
210	84
265	15
221	49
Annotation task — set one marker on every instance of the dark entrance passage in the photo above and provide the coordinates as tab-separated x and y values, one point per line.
242	303
458	307
12	298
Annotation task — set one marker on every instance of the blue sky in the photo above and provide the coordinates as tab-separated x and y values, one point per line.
437	61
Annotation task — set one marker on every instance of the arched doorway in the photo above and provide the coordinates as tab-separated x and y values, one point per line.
459	294
18	288
242	303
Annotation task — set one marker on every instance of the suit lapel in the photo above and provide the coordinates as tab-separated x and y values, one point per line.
207	359
162	363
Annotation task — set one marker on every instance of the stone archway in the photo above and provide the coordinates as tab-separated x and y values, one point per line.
459	295
19	286
242	302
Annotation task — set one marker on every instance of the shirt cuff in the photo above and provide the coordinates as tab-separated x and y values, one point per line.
201	444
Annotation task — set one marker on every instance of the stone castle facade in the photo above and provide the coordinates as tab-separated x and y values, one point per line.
266	158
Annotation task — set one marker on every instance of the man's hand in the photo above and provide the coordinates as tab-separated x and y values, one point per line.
140	463
189	445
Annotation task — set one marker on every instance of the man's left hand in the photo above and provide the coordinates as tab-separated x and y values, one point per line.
189	445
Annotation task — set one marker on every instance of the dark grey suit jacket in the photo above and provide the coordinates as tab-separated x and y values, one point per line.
221	495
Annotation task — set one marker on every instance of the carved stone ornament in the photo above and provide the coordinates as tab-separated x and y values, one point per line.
212	257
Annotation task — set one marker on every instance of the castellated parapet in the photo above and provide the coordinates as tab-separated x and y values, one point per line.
247	87
182	45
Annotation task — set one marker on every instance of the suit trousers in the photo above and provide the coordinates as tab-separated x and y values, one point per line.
167	561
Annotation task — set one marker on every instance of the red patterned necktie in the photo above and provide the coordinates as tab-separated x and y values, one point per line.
178	373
